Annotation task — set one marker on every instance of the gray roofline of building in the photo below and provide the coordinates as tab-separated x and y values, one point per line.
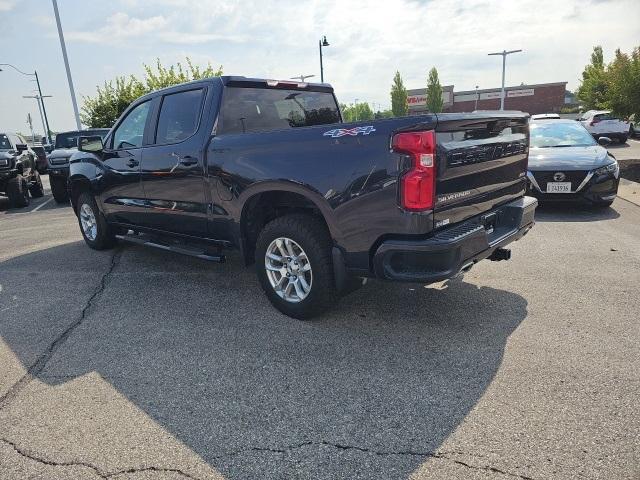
517	87
418	91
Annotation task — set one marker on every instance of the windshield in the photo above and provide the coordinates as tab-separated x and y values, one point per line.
545	135
5	144
70	139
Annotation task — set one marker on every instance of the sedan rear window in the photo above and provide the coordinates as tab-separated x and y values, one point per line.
258	109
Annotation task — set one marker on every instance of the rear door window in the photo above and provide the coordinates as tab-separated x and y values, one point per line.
247	110
179	116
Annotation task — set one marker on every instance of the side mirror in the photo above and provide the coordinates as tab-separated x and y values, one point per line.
91	144
604	141
20	147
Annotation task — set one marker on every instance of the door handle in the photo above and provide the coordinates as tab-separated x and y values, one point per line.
133	162
187	160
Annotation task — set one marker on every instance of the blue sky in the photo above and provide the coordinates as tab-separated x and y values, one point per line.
370	40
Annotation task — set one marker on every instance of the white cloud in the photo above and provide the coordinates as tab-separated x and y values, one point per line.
370	40
120	27
6	5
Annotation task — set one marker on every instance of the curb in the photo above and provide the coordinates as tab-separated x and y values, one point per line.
629	191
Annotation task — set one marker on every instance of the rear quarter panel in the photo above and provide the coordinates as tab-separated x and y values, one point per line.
352	178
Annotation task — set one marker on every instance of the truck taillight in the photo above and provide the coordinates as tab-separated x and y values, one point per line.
418	185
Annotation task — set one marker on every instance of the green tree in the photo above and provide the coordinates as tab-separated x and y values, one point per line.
357	112
434	92
399	105
116	95
593	91
383	114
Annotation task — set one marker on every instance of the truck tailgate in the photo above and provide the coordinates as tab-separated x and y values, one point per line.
481	164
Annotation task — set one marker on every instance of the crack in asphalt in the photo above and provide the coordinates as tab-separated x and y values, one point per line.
437	455
107	475
36	458
43	359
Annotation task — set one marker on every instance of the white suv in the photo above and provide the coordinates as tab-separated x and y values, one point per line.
600	123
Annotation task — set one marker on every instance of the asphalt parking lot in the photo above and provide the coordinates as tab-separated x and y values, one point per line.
626	151
141	364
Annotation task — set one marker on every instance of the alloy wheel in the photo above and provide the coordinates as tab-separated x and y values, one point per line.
288	270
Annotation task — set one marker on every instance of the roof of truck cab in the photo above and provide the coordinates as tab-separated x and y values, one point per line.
236	80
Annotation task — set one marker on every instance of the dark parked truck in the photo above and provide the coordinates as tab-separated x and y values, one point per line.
269	168
19	176
58	160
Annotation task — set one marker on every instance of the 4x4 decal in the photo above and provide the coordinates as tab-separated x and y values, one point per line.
341	132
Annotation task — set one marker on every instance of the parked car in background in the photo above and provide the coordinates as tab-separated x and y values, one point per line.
634	126
18	174
58	160
545	116
600	123
566	164
41	158
268	167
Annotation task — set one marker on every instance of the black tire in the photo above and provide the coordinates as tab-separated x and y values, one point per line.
105	236
622	138
18	192
37	189
59	189
312	236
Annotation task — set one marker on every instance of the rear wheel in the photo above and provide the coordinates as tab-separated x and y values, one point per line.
94	228
37	189
59	189
294	266
18	192
623	138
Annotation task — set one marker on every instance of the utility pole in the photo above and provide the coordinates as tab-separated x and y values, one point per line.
66	64
476	98
44	111
302	78
42	118
504	54
30	122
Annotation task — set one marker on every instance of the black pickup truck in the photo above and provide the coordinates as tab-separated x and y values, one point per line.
269	168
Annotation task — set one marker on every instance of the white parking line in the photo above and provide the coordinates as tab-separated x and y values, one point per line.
41	205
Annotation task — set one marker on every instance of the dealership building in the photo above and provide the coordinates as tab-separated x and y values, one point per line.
539	98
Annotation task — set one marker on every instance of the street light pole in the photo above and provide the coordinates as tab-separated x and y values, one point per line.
322	43
41	98
504	54
476	98
66	64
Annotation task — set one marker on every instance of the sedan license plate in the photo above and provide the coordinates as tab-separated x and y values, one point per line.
559	187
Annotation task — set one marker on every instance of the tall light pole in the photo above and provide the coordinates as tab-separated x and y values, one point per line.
66	64
476	98
44	110
302	77
504	54
322	43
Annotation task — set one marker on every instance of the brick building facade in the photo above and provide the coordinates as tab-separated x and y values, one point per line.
539	98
